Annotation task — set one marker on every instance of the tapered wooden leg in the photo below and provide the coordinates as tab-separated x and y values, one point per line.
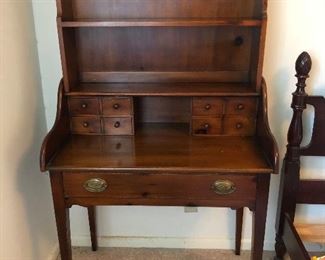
259	216
61	216
239	226
92	227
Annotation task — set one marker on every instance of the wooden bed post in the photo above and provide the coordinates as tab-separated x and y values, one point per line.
291	164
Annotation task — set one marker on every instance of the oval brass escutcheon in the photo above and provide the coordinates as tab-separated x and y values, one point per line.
95	185
223	187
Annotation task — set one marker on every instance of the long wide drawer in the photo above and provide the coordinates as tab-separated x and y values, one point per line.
231	187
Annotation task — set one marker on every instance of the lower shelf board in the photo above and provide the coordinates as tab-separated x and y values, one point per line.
161	147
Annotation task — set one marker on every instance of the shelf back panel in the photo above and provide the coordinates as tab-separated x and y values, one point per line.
114	9
111	52
163	110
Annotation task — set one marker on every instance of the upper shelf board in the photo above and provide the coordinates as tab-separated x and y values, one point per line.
161	22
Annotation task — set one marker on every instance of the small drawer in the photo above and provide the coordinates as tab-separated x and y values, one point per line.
207	126
239	125
222	188
85	125
118	125
205	106
84	106
241	106
117	106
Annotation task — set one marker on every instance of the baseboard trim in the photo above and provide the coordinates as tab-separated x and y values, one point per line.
167	242
54	253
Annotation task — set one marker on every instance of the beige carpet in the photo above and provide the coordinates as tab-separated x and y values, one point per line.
84	253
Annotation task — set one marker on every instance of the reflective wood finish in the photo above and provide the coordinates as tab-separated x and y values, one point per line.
162	103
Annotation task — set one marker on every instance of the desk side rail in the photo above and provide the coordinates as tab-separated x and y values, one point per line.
264	134
59	132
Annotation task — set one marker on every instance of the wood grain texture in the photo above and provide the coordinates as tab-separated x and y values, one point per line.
136	186
61	215
112	9
164	89
239	227
150	68
205	49
59	132
263	131
84	106
92	227
154	22
162	147
117	106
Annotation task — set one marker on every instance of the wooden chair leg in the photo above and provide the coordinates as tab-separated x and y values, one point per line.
280	248
92	227
239	226
61	216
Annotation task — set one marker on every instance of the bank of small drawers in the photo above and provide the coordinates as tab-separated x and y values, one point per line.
224	116
102	115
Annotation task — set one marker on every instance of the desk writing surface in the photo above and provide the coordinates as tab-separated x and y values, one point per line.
160	147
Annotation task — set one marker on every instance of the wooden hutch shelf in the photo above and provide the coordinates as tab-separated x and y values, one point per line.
163	89
162	103
137	22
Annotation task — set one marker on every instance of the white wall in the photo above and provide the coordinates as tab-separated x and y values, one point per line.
294	26
27	229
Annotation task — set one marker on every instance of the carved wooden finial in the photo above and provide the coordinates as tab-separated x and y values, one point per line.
303	65
295	133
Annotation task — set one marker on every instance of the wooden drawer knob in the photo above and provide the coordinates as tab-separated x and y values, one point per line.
239	125
239	41
240	107
206	126
84	105
95	185
117	124
207	107
116	106
223	187
85	124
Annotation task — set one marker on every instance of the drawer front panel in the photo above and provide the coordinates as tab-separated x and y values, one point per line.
86	125
118	125
123	185
241	106
117	106
239	125
207	126
84	106
204	106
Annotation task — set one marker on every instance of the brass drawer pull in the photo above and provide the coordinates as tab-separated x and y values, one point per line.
85	124
223	187
84	105
207	107
116	106
117	124
95	185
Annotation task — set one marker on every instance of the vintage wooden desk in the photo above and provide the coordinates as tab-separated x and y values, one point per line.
162	103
